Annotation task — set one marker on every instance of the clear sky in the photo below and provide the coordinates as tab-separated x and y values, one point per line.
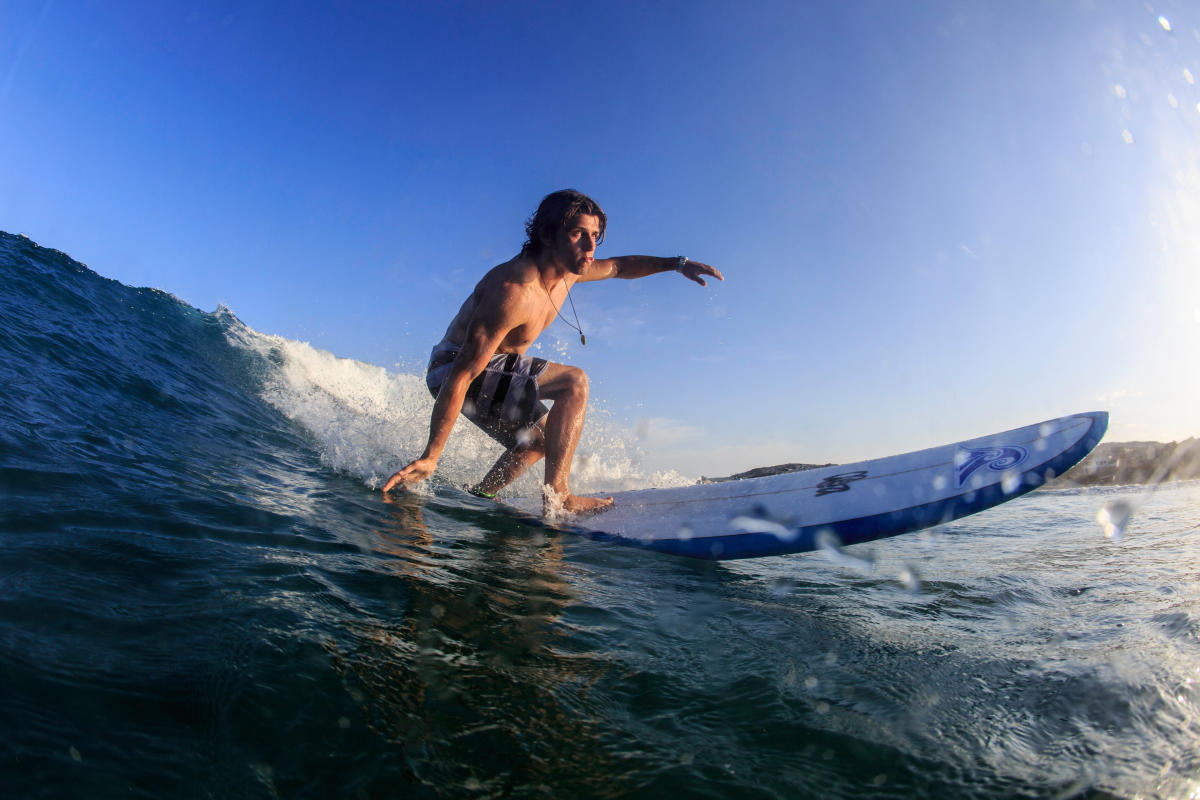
936	219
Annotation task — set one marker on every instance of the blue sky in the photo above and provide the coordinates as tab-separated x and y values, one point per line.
936	219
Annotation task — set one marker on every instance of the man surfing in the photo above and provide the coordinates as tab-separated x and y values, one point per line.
480	369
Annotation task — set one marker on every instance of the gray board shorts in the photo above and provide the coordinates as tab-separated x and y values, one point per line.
504	400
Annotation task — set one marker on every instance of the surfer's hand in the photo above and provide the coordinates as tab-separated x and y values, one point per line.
694	270
418	470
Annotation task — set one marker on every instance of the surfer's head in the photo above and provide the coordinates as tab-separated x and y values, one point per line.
555	213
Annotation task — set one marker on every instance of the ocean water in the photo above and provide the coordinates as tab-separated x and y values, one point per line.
203	595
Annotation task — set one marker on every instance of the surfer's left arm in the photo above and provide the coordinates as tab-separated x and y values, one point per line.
629	267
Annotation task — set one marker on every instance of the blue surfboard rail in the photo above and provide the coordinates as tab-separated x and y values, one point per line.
857	530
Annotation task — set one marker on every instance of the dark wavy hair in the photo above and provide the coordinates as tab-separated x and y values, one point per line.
555	212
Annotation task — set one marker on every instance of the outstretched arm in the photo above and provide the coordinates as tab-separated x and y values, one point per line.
629	267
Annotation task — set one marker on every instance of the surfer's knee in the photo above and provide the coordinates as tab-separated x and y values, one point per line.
531	440
531	452
564	382
577	382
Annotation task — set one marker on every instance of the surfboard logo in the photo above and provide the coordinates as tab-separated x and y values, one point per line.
839	483
969	460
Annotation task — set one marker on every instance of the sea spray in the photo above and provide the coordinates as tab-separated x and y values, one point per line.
368	422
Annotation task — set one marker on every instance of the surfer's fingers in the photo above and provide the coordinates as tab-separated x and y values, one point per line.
402	478
703	269
418	470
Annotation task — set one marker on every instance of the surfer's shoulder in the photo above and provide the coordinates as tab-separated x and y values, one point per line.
513	278
517	270
512	285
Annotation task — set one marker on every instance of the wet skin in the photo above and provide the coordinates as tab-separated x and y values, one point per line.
509	308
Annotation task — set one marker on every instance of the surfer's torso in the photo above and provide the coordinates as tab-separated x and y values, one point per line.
517	283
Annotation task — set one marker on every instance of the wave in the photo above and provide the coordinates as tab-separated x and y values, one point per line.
128	376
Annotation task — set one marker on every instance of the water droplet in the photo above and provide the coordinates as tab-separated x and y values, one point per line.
782	587
1011	482
1119	91
1165	23
1113	517
831	546
1188	76
940	482
748	524
685	533
790	676
74	752
1126	136
909	579
811	682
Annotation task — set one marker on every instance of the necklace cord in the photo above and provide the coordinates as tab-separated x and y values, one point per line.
576	326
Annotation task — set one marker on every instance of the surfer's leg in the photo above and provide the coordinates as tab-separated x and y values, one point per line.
568	388
514	461
504	404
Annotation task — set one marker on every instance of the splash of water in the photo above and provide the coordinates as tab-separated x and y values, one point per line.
368	422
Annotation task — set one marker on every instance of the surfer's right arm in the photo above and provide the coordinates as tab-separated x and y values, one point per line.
486	332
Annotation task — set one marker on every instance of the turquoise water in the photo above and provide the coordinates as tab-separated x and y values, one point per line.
201	594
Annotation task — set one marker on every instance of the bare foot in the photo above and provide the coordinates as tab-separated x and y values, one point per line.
586	506
555	506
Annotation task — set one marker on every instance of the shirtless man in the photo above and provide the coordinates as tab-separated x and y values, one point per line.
480	369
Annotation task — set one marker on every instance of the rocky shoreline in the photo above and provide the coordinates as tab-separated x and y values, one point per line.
1122	463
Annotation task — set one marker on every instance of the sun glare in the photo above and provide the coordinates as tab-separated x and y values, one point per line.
1156	91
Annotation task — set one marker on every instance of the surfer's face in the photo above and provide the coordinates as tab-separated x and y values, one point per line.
576	243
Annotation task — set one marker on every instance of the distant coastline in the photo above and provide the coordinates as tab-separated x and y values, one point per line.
1121	463
1110	464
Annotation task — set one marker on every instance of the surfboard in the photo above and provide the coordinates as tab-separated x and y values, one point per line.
845	504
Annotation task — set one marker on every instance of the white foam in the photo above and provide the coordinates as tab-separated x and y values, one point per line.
368	422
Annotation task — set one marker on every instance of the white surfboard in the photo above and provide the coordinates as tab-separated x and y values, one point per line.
845	504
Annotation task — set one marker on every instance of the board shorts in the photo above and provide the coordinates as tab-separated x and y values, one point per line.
504	401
